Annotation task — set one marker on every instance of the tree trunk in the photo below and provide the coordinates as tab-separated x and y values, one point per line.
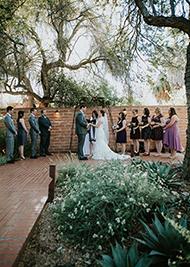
186	162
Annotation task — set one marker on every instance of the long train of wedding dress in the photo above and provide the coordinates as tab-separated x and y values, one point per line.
101	150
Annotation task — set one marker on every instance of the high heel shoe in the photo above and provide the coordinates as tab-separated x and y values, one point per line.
146	154
22	158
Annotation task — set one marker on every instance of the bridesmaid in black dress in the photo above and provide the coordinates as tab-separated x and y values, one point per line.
146	131
135	131
121	134
157	124
21	134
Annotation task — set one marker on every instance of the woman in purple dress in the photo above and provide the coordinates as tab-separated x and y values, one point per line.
171	133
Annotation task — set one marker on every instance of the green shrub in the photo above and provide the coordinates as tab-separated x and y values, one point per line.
167	242
2	160
123	258
97	205
162	173
2	141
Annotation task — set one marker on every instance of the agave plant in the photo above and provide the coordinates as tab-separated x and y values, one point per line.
163	172
167	241
123	258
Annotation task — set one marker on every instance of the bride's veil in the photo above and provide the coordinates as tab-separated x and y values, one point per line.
106	127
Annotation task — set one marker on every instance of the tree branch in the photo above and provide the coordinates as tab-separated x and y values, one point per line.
180	23
172	2
90	60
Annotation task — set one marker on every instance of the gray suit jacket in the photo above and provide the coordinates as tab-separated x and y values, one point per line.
81	123
11	130
34	126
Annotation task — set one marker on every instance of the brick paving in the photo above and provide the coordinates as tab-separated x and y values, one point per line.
23	193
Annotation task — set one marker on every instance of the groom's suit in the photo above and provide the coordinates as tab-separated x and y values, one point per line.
81	130
10	136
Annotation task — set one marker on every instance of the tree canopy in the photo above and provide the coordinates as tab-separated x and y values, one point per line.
44	37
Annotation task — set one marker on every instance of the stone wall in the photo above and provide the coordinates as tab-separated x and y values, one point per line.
63	136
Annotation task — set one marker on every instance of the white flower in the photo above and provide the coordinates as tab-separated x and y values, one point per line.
94	236
100	247
117	220
123	222
103	197
71	215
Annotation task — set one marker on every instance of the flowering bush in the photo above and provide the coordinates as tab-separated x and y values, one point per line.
96	205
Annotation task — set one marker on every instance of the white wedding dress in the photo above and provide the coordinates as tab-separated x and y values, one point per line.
106	127
101	150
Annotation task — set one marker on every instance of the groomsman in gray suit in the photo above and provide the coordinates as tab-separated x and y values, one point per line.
81	130
34	131
10	134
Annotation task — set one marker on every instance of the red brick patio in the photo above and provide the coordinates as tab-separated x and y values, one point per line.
23	193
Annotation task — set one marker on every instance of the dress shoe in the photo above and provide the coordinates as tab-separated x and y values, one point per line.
49	154
136	153
33	157
11	161
146	154
84	158
42	155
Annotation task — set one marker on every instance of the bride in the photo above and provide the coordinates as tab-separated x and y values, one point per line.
101	150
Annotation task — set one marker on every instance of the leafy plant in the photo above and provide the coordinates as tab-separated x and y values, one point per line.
123	258
97	205
165	174
2	141
2	160
71	93
167	241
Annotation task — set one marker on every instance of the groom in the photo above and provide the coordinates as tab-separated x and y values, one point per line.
81	130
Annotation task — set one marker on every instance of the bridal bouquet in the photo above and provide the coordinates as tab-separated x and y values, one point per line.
115	126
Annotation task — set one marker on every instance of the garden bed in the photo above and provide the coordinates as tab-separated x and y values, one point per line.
96	206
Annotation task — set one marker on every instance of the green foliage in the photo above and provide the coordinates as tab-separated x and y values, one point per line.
162	173
2	160
7	9
122	258
2	141
98	205
167	241
67	92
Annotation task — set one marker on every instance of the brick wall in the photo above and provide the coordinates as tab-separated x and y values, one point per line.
63	135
